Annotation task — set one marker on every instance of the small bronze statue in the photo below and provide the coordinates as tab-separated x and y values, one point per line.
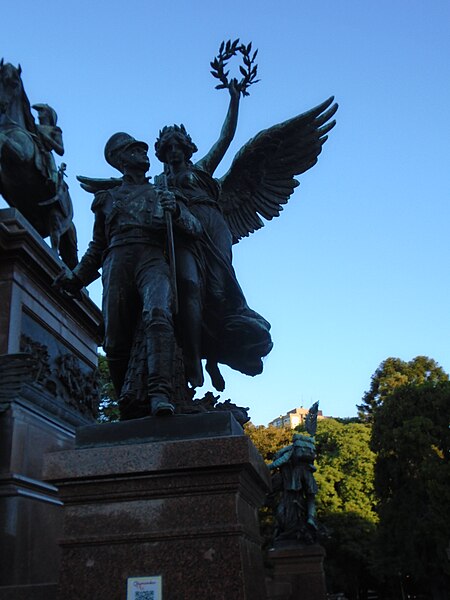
129	243
28	174
295	487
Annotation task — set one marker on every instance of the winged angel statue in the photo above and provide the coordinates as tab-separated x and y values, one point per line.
214	321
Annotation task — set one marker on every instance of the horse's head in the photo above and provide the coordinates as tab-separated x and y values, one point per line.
11	87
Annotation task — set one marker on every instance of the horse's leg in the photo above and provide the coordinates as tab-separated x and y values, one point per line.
23	179
2	141
68	247
17	148
16	158
55	226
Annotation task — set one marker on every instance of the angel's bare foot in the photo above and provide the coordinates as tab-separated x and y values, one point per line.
194	373
216	376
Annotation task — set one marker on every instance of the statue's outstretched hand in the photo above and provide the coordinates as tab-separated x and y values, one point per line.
234	88
68	283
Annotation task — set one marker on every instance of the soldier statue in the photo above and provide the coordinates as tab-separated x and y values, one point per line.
294	483
129	243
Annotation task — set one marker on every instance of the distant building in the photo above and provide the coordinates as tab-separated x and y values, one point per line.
293	418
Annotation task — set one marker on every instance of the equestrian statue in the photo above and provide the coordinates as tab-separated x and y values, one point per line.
29	178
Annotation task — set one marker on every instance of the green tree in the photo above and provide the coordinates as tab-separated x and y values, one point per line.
346	503
349	560
411	437
393	373
268	440
108	410
345	472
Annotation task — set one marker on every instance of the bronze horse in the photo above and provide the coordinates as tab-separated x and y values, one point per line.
26	181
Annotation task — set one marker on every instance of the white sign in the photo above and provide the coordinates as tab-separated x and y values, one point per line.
144	588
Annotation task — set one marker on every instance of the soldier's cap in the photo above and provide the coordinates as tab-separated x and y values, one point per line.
46	111
119	142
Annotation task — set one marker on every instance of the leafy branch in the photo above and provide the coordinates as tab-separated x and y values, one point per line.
248	69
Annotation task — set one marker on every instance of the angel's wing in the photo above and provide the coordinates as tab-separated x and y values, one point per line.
261	177
93	185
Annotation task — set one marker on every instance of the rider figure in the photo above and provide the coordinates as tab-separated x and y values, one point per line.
50	136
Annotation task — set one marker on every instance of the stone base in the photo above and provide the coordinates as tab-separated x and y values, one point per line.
42	402
298	573
30	511
160	429
185	510
29	592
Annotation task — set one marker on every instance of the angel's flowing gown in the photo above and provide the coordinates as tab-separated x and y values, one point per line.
232	333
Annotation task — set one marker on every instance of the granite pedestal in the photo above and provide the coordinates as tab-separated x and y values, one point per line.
48	357
298	573
185	509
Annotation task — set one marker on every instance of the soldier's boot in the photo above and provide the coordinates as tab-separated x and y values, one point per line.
160	360
161	407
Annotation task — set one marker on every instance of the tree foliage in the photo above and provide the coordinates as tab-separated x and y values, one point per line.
109	409
345	469
268	440
393	373
346	503
411	437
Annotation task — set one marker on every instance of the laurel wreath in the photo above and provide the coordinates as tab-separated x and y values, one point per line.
248	70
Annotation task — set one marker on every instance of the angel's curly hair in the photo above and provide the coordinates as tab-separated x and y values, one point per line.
180	135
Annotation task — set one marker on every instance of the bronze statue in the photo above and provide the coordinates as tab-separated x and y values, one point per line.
129	243
213	320
28	174
295	486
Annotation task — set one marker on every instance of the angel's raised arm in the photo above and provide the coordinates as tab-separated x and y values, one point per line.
211	161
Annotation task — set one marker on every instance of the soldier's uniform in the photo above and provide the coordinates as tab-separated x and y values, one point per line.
129	243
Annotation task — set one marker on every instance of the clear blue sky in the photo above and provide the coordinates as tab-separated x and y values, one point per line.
356	269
